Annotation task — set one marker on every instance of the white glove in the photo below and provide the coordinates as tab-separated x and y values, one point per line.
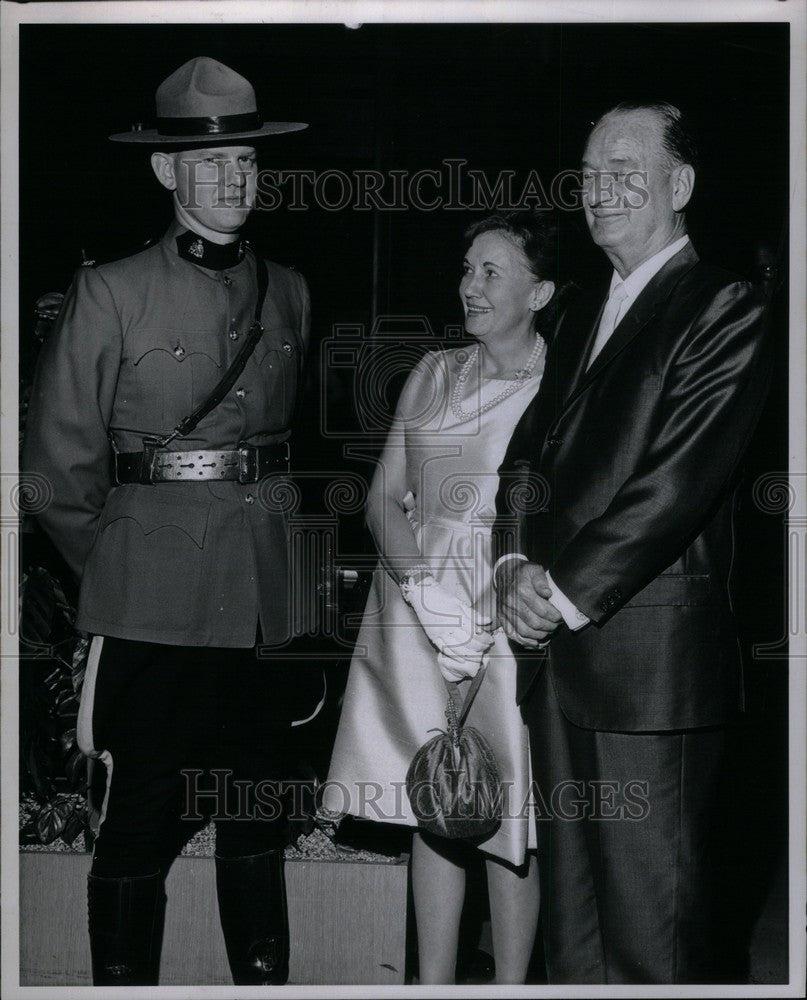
457	669
409	507
452	626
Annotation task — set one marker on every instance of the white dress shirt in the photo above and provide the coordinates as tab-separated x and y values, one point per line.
631	287
635	283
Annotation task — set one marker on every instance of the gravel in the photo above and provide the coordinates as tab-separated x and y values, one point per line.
315	846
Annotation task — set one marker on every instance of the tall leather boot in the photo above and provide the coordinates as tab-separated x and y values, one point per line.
125	922
254	918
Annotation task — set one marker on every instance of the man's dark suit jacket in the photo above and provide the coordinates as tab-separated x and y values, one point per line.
637	460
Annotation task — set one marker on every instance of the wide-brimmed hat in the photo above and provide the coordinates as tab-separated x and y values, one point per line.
205	101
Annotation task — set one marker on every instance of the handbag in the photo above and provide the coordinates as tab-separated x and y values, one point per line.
453	782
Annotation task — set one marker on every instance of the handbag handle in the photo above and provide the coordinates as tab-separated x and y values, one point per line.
469	697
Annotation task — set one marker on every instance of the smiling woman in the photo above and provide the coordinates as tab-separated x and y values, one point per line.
428	621
504	288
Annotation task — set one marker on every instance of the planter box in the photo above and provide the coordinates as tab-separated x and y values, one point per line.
347	922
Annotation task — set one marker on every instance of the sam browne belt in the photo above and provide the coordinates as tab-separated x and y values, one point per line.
247	464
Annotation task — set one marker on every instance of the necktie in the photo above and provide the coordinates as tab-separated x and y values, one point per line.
608	321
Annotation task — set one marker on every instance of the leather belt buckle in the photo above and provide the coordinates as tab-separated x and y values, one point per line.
247	464
148	463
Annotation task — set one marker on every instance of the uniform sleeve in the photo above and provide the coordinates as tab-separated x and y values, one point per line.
71	404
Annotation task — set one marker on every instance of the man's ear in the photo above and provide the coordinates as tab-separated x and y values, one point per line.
163	166
683	184
542	293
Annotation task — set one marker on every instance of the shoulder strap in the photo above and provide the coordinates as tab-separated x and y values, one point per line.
189	423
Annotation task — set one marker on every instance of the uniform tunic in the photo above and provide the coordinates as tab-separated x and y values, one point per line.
171	567
140	343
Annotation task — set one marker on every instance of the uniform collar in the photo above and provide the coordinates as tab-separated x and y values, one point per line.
197	250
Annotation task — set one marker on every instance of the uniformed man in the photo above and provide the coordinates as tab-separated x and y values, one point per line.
161	508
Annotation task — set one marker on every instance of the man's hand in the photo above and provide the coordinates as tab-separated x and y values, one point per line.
525	611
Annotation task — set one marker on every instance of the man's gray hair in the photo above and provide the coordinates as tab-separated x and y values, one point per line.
676	136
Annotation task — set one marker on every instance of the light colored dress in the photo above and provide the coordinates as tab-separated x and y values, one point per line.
396	696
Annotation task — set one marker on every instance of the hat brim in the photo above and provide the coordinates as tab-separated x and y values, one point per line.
151	137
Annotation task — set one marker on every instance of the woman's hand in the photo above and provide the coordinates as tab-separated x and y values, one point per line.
452	626
458	668
409	505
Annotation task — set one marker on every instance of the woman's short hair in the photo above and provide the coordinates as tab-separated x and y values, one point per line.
535	233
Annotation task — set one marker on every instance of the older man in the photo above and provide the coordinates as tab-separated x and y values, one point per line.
163	399
617	589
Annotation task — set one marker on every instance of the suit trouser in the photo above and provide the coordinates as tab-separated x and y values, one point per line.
625	849
184	732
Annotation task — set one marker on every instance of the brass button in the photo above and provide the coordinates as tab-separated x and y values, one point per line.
179	351
233	334
227	280
240	393
287	347
249	498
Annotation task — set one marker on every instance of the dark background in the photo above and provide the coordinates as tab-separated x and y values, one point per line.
501	96
517	97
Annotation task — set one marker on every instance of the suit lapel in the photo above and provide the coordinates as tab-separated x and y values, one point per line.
581	340
633	322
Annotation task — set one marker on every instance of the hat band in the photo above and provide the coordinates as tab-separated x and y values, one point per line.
211	125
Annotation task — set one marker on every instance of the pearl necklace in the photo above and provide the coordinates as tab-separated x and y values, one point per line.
511	386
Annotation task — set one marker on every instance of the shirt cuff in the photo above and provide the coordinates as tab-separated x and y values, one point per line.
506	558
574	618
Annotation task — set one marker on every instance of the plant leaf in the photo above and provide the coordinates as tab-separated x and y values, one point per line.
73	827
52	819
76	769
79	665
55	679
38	606
28	833
68	740
67	706
36	765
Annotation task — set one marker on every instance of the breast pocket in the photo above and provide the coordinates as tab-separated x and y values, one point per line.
173	372
277	359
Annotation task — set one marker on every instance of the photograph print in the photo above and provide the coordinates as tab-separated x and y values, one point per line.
401	520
